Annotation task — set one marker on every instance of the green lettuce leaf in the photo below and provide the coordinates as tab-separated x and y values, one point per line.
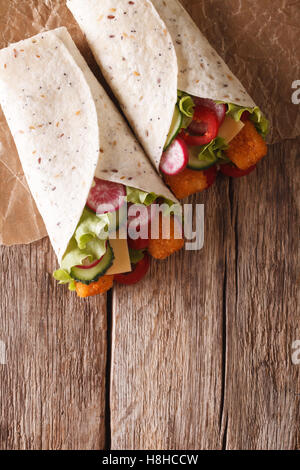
64	278
87	243
136	196
260	121
186	106
91	226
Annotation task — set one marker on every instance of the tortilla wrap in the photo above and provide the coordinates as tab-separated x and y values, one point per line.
119	33
66	130
201	71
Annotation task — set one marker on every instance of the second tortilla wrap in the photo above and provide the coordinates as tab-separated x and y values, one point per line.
123	38
201	71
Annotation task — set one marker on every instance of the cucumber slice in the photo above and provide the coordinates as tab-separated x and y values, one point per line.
87	276
196	164
175	127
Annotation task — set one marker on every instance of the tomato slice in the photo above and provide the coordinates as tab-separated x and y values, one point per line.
139	272
139	244
219	109
203	129
234	172
211	174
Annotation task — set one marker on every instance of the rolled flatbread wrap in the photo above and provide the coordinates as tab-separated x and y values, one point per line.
74	147
155	58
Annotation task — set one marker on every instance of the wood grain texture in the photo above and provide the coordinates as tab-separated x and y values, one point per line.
263	317
52	387
202	348
166	390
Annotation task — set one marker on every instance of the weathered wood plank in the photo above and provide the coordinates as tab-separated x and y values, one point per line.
263	316
166	389
202	351
52	388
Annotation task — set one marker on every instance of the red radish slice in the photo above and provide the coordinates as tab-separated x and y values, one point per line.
219	109
106	196
175	159
89	266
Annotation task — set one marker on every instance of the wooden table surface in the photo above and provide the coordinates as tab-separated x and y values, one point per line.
197	356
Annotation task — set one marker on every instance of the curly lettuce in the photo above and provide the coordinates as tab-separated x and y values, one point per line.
87	243
256	116
215	149
137	196
186	106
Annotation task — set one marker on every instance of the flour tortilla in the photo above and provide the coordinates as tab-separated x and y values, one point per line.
198	70
41	92
66	130
201	71
135	52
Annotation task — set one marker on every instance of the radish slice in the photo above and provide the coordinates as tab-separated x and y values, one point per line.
106	196
175	159
219	109
89	266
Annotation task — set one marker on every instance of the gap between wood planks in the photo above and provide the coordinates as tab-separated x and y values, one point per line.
223	423
109	315
223	428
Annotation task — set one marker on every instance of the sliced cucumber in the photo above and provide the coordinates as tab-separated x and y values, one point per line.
196	164
87	276
175	127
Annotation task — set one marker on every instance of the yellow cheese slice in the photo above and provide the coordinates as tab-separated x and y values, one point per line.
122	260
229	129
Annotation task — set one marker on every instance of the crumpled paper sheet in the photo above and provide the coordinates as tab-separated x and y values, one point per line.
259	39
260	42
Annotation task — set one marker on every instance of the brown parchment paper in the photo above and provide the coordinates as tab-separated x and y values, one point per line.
259	40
